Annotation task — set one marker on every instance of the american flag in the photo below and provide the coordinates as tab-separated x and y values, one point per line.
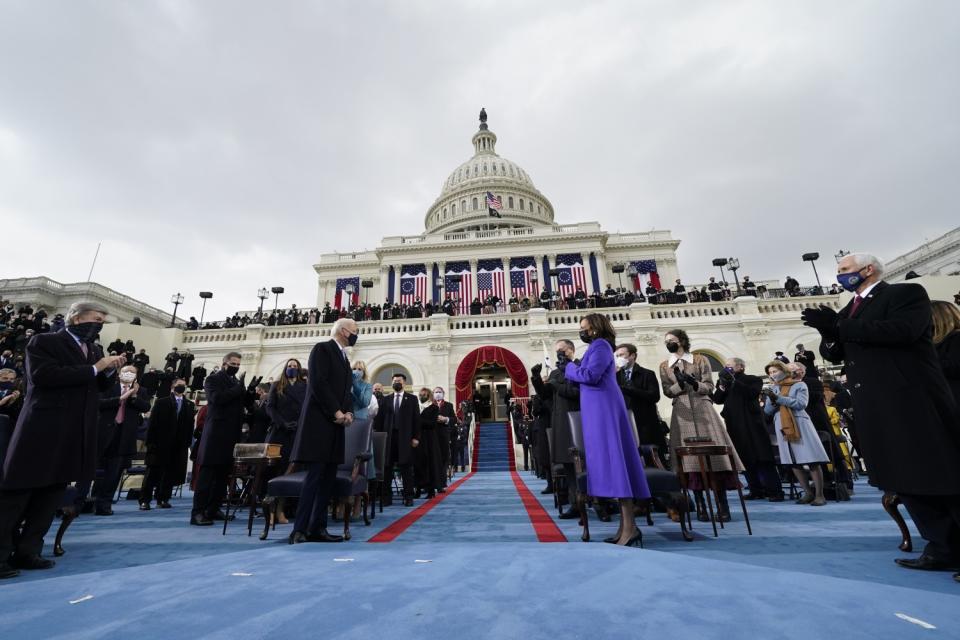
341	285
520	282
490	278
494	204
457	282
413	283
572	275
646	274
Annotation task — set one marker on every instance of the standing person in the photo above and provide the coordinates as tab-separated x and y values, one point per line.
686	378
563	397
905	412
140	361
169	432
55	439
796	436
227	398
365	406
641	393
199	374
614	468
446	432
120	416
807	359
399	416
172	359
186	365
284	405
739	393
320	441
428	458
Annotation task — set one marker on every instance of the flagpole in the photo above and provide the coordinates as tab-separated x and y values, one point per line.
93	264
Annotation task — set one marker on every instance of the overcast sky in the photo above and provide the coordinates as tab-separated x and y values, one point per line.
224	146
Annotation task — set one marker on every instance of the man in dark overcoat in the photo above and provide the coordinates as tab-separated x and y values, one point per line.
399	417
169	432
54	441
904	407
641	392
320	441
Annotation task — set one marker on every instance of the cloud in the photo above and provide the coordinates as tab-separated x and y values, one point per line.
224	146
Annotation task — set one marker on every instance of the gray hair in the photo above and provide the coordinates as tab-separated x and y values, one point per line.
77	309
233	354
340	324
738	361
863	260
8	371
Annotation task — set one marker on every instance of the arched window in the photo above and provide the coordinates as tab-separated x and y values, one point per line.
453	209
715	364
539	210
385	374
463	205
521	204
510	202
475	204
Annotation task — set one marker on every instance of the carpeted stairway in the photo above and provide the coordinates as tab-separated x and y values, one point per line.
493	448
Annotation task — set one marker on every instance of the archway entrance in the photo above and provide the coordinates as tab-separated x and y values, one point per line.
490	372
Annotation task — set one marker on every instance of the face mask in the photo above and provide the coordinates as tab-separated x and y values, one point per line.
561	357
6	385
231	369
398	386
438	396
424	399
621	362
357	374
352	339
673	347
778	376
292	372
850	281
586	337
86	331
180	388
128	376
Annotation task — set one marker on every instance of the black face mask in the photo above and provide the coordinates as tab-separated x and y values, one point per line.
86	331
398	386
585	336
180	388
673	347
561	357
352	339
231	369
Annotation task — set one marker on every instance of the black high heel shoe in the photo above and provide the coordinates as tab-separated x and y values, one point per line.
636	540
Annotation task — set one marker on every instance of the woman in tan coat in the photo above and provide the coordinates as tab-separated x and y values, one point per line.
687	379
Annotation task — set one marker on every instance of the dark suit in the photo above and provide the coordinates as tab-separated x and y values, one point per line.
168	437
641	391
54	441
319	442
402	427
904	407
221	431
564	397
116	441
808	360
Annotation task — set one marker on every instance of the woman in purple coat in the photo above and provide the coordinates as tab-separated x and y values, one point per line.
614	468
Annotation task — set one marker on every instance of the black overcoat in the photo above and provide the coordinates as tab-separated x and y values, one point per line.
949	353
284	413
55	438
564	398
120	440
642	393
744	418
224	423
169	435
905	411
319	438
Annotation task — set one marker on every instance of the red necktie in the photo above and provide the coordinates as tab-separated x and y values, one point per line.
856	305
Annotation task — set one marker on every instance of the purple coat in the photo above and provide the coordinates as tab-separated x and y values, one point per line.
614	468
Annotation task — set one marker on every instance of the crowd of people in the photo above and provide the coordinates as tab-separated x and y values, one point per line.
78	411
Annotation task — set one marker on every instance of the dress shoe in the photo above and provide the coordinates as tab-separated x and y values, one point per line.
611	539
636	540
324	536
546	491
408	502
6	571
31	562
570	514
297	537
103	511
201	521
164	505
927	563
145	506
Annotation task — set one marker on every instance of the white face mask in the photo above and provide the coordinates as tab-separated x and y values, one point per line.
128	376
621	362
778	376
438	396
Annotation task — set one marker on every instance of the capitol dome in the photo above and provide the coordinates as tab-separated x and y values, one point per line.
462	206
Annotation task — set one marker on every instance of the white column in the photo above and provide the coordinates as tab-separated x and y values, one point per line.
589	270
473	277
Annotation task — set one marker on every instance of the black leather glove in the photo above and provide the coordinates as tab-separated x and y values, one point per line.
726	377
536	369
252	387
681	377
823	319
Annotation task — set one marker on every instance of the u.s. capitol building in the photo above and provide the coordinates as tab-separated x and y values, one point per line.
523	250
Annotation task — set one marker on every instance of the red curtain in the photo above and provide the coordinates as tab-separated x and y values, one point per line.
491	355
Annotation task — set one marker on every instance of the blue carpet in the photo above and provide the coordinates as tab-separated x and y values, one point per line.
471	568
493	447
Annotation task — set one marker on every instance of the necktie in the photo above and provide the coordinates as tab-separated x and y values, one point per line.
85	349
629	373
856	305
122	411
179	404
396	403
